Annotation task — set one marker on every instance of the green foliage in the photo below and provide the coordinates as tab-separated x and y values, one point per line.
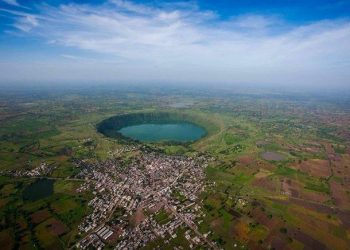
230	138
318	187
162	217
285	171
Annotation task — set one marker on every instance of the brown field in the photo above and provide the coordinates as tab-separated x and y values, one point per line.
314	167
278	242
138	217
329	149
341	198
246	160
273	238
263	219
315	229
344	216
290	187
308	242
240	231
312	148
295	189
265	183
117	231
341	168
40	216
314	196
310	225
57	227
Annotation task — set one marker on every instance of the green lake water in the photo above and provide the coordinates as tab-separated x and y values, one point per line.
39	189
179	132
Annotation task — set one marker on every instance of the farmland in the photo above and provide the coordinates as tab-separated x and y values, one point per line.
277	171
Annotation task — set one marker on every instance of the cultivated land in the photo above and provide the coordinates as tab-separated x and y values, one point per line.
272	172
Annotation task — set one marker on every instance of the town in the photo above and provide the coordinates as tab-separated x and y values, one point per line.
149	199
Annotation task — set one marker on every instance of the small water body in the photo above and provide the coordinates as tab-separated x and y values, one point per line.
151	132
272	156
40	189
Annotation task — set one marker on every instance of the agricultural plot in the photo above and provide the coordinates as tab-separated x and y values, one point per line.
277	176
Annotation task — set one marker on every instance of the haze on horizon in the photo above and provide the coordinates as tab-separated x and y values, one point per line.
295	43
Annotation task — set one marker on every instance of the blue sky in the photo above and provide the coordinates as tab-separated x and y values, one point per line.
286	43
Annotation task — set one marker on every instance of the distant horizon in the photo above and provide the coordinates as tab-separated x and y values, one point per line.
342	92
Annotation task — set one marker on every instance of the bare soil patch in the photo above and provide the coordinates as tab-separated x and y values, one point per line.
278	243
40	216
339	195
57	227
241	231
314	167
246	160
313	206
329	149
294	189
263	219
314	196
290	187
138	217
341	168
265	183
309	242
117	231
344	216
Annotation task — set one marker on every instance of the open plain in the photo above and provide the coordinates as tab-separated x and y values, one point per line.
267	175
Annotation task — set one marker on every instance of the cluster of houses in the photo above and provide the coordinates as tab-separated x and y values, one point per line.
151	184
92	241
43	169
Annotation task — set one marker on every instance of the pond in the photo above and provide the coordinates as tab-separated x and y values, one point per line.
40	189
272	156
152	132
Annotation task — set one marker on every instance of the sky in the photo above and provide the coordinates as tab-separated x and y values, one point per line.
279	42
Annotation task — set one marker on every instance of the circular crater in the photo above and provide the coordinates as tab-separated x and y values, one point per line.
153	127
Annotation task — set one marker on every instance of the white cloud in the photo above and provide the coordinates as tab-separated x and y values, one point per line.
14	3
26	23
187	44
132	7
253	22
11	2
